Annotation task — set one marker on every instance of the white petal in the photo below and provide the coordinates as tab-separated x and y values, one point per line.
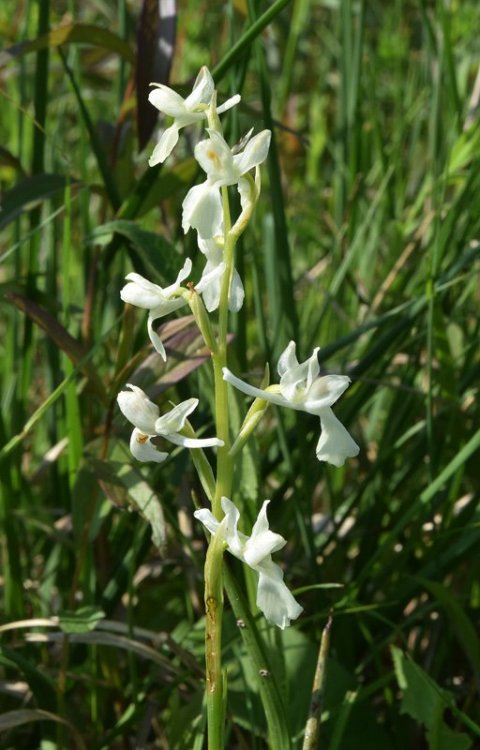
202	91
324	392
211	292
335	443
215	158
246	197
288	359
250	390
262	541
155	338
211	276
273	597
174	420
296	380
187	442
256	151
143	450
228	104
183	274
166	100
158	312
202	210
141	292
237	293
208	519
166	144
138	409
229	528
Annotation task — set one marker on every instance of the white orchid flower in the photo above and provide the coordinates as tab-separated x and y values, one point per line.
213	251
301	388
184	111
160	301
145	417
202	207
273	597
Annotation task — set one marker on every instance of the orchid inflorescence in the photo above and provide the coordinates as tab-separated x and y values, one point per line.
301	387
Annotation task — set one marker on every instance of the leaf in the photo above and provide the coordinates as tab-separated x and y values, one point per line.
75	33
29	193
464	629
158	257
124	486
39	682
425	702
155	47
67	343
12	719
146	501
83	620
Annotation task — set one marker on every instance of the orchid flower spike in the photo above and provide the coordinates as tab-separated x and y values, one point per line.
273	597
147	422
213	251
184	111
202	207
301	388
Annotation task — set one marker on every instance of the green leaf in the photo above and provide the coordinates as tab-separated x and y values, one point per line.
425	702
39	682
75	33
83	620
28	193
156	254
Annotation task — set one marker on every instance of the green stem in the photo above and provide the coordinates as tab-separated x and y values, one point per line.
213	642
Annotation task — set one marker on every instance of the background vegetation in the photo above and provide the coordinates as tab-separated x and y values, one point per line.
365	243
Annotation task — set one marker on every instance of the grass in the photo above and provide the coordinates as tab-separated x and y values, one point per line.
365	243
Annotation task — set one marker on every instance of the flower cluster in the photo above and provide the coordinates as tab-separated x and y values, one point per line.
301	387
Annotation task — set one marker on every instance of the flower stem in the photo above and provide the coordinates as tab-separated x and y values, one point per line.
213	643
213	565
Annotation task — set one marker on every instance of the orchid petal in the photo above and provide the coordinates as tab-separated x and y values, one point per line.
215	158
141	292
143	450
262	541
138	409
274	598
206	517
186	442
288	359
166	100
335	444
166	144
202	91
325	391
250	390
174	420
228	104
202	210
236	294
255	152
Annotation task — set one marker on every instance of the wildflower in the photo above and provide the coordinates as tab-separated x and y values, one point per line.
273	597
301	388
212	249
145	417
184	111
160	301
202	207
